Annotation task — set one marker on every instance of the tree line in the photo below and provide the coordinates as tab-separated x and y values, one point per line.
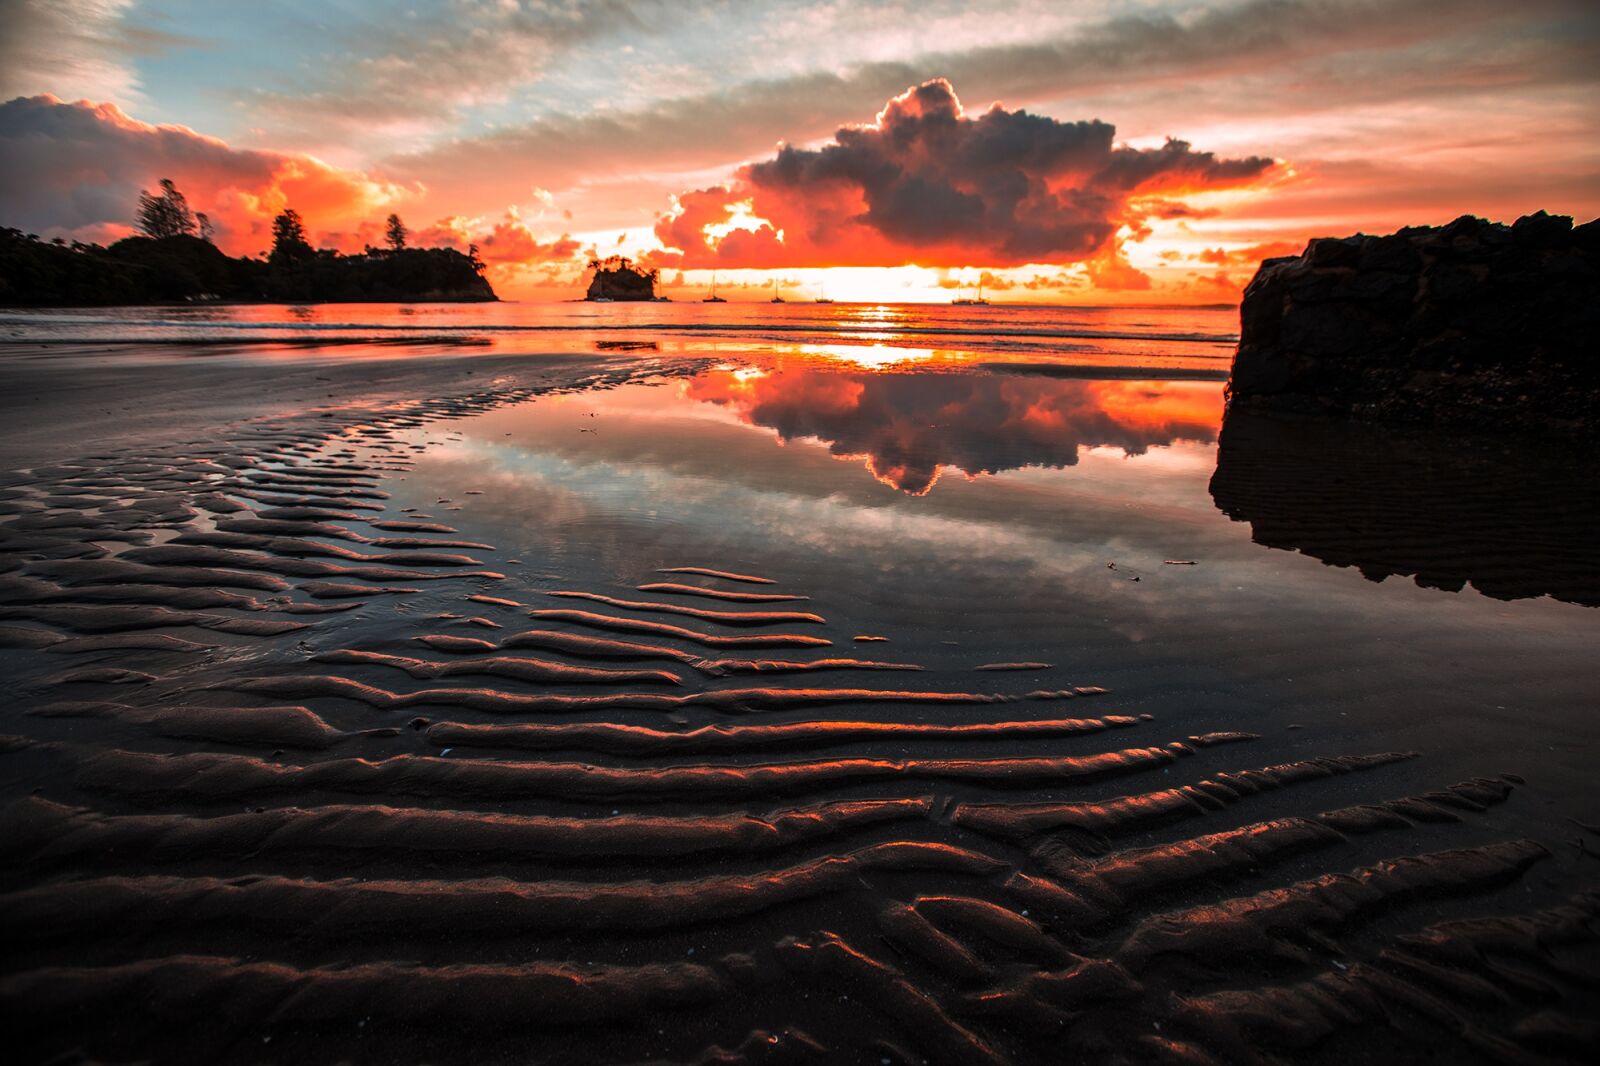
167	214
174	258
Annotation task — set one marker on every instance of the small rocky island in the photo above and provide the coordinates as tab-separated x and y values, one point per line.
1475	324
617	279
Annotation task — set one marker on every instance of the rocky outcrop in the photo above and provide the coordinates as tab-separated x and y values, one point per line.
617	278
1474	323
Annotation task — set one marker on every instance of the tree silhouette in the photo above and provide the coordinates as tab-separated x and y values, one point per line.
142	270
289	242
166	215
478	265
616	278
618	264
395	232
207	230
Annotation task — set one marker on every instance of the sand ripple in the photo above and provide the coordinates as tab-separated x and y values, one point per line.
250	818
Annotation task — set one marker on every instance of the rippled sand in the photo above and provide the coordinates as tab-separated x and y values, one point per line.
298	774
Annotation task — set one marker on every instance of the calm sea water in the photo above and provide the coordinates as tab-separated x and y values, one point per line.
1191	341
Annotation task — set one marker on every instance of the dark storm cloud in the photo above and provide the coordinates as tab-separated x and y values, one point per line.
909	427
925	183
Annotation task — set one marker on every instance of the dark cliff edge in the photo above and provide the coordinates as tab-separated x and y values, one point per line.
1514	516
1475	324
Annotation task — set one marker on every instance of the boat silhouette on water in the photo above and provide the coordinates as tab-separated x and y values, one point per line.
970	301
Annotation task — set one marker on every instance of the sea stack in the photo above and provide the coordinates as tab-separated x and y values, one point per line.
616	278
1475	324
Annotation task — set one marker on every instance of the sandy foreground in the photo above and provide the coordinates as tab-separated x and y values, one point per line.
59	400
294	774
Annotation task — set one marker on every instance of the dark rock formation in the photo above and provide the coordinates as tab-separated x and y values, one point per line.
616	278
1514	516
1475	323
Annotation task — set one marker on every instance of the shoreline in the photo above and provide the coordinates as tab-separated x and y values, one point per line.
71	400
1225	306
257	303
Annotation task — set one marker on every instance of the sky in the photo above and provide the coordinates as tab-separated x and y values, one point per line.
1140	151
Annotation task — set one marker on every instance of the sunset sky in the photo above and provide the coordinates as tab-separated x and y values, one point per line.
1144	151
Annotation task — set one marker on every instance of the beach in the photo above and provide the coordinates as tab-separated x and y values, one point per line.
727	684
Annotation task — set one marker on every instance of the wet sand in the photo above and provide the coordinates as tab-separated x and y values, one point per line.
62	401
310	757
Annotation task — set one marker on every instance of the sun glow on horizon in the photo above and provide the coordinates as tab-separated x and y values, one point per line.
1091	182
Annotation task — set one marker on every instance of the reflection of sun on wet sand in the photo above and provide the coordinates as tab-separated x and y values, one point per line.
234	807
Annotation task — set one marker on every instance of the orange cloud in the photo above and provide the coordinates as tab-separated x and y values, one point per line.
75	170
518	260
1113	271
1250	256
509	241
926	184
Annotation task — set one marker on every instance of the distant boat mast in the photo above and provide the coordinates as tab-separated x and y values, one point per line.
967	301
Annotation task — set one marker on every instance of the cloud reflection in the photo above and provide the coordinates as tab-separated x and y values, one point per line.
908	428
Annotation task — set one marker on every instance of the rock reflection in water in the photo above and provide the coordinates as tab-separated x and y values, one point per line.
1514	518
909	427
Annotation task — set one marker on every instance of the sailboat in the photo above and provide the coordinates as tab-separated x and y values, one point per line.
777	292
823	297
965	301
713	298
